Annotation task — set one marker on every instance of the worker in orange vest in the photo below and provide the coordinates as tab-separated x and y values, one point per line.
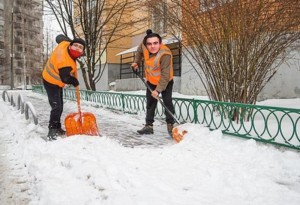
158	65
58	71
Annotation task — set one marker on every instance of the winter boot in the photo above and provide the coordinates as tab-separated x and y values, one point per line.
52	134
170	128
60	132
148	129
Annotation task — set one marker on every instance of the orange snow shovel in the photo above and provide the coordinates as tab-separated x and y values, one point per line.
81	123
177	133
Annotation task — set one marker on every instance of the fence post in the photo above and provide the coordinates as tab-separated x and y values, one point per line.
3	95
123	102
29	106
20	103
195	111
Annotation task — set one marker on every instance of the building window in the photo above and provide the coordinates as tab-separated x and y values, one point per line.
1	32
77	20
20	64
93	3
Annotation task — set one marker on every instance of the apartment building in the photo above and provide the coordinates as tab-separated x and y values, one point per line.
1	41
21	42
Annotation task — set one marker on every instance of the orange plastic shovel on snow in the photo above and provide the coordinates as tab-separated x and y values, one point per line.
177	133
81	123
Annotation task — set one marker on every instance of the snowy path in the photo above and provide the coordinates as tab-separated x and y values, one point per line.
114	125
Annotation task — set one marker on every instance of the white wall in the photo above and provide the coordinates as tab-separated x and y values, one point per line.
284	84
101	85
190	81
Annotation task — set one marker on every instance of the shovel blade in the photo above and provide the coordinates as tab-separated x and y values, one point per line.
178	134
86	126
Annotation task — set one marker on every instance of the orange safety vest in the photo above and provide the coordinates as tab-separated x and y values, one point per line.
59	58
152	64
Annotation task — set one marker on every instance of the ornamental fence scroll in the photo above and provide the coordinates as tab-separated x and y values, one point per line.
274	125
23	106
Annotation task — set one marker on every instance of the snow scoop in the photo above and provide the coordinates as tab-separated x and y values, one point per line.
177	134
81	123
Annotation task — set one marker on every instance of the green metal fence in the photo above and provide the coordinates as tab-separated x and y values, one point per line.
275	125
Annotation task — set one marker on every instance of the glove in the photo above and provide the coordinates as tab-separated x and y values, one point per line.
74	82
134	67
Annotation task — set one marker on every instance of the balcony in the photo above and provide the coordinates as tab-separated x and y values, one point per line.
18	40
17	25
18	55
18	71
17	9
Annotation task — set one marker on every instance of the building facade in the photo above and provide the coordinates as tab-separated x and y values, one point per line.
21	42
284	84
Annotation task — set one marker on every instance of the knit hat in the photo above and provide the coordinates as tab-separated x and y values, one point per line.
78	40
150	34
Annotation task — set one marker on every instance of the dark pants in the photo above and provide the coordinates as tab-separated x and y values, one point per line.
152	103
55	97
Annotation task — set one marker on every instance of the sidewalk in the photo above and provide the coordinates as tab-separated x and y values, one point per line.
116	125
15	188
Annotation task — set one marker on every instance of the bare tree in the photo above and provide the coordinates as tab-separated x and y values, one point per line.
237	44
100	23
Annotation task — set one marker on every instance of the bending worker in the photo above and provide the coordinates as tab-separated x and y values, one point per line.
60	70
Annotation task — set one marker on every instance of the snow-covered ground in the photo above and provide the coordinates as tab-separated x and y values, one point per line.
122	168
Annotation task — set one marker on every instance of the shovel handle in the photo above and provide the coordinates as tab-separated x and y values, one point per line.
78	98
159	99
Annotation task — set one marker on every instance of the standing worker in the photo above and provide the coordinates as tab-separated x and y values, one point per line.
158	65
60	70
